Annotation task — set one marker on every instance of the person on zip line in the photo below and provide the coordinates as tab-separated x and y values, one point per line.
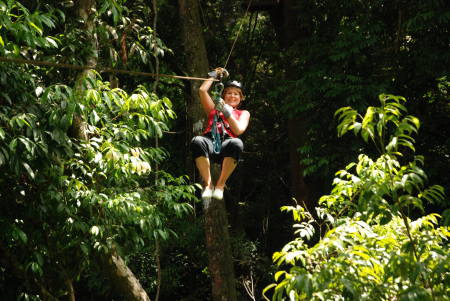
219	142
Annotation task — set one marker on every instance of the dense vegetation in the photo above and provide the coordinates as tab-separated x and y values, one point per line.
370	249
96	163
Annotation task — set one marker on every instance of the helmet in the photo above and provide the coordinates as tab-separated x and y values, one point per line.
234	83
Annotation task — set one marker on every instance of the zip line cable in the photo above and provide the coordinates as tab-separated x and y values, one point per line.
83	67
237	35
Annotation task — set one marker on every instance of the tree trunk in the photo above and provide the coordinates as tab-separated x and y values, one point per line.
196	60
219	251
124	281
84	11
216	224
125	284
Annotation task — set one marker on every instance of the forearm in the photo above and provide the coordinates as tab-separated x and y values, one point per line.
205	98
206	85
237	127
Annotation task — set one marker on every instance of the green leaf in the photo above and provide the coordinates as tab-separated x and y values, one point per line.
392	146
36	268
94	117
51	42
28	169
22	236
368	117
39	30
356	127
279	274
2	134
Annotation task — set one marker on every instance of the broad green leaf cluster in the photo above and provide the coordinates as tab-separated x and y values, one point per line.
67	201
20	26
370	249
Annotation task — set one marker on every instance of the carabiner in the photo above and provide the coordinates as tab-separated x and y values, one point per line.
217	93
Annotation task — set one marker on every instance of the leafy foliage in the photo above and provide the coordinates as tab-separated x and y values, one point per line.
370	250
70	200
90	194
22	27
334	54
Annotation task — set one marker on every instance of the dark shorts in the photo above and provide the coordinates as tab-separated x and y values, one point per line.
202	146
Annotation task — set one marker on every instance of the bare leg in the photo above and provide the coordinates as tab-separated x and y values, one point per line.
228	166
203	166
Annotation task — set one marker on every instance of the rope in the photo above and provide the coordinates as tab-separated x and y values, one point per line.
109	70
237	35
217	141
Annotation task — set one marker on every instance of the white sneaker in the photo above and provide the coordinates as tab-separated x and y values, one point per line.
207	193
217	194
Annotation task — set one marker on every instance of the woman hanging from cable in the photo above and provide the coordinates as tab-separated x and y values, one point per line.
219	142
